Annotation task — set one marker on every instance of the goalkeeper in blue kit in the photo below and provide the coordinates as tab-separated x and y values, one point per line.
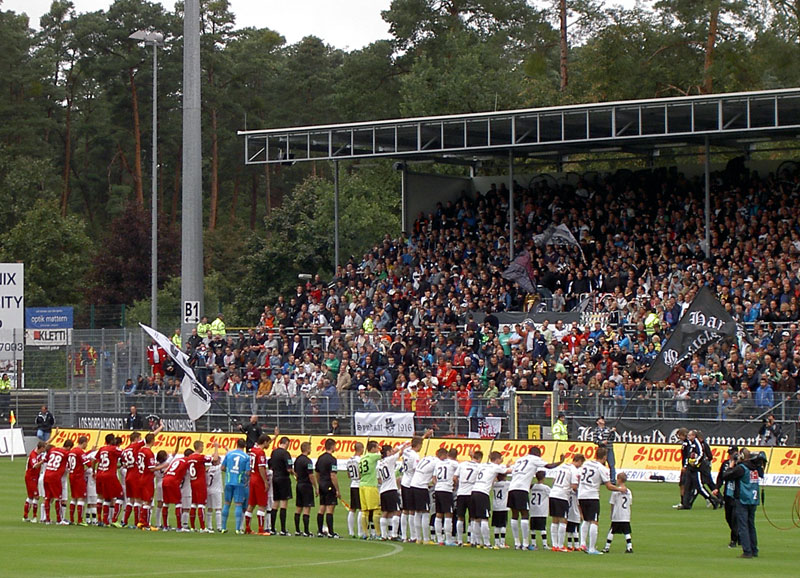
236	467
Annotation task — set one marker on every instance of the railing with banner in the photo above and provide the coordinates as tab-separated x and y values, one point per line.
640	461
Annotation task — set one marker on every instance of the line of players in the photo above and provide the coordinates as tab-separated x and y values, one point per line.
443	493
439	489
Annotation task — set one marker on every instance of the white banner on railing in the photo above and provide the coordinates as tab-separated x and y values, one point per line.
11	442
384	424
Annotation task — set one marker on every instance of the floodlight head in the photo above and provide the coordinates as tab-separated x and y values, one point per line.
148	36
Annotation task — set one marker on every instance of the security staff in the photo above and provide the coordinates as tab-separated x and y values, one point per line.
747	475
5	394
560	432
203	327
604	438
218	326
727	488
176	339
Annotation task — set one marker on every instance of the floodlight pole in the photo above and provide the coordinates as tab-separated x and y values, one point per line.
192	190
154	39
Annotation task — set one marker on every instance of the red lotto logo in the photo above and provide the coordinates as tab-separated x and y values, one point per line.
789	458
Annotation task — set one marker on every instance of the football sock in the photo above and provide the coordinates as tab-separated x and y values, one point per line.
562	535
145	515
437	528
72	512
26	509
543	534
320	518
384	528
628	542
283	519
268	521
58	511
609	539
297	522
128	512
260	516
218	516
274	519
226	509
351	523
201	516
554	535
306	523
584	532
117	510
515	531
395	526
403	524
359	523
592	536
448	529
35	507
164	513
238	513
137	512
485	532
192	516
329	523
178	517
47	509
426	527
525	528
80	511
104	512
248	516
460	531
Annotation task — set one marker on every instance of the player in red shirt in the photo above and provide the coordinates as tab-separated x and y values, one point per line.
108	487
35	460
128	462
147	465
171	489
258	485
77	460
54	472
197	477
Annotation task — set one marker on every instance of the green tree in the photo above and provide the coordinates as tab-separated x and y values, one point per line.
55	251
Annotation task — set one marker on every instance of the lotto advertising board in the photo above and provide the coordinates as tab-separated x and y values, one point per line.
639	461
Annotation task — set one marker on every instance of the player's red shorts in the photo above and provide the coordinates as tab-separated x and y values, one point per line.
108	487
199	492
146	489
52	487
132	485
171	491
77	487
32	486
258	493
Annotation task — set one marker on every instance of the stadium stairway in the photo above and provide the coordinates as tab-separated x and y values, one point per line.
26	405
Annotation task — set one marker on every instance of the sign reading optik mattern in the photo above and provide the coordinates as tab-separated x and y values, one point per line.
12	311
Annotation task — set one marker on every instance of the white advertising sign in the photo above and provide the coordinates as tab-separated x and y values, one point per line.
384	424
12	311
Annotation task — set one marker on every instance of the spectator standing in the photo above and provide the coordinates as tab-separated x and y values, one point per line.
134	421
44	424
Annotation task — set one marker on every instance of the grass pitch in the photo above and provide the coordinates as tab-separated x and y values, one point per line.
666	543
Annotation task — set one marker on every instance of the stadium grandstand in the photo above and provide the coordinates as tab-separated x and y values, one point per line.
544	284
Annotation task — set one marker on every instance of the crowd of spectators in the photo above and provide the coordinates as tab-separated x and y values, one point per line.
413	324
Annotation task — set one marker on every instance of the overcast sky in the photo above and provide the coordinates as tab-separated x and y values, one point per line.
346	24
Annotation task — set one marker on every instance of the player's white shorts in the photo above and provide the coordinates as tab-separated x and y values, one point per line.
186	496
214	501
123	472
41	482
64	491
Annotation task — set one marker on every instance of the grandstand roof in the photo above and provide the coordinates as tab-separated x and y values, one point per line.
734	119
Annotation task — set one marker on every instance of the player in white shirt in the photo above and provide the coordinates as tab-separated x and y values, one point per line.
487	474
443	494
214	498
565	484
386	471
620	515
573	523
408	529
186	502
354	511
423	476
593	475
540	497
465	479
91	490
522	475
500	511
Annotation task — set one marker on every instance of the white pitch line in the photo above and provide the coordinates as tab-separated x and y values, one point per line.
396	549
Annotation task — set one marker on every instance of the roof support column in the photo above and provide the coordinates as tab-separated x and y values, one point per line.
404	197
511	205
707	170
335	218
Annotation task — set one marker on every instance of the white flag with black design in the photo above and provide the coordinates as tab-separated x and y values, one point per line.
196	397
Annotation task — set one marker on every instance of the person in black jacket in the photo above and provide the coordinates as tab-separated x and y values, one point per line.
727	487
44	424
134	420
252	430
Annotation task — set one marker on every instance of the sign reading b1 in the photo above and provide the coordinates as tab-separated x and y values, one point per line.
191	312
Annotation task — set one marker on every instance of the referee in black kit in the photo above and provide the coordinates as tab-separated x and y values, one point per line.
604	438
328	487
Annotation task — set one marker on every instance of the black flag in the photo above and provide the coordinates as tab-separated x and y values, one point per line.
704	323
521	272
